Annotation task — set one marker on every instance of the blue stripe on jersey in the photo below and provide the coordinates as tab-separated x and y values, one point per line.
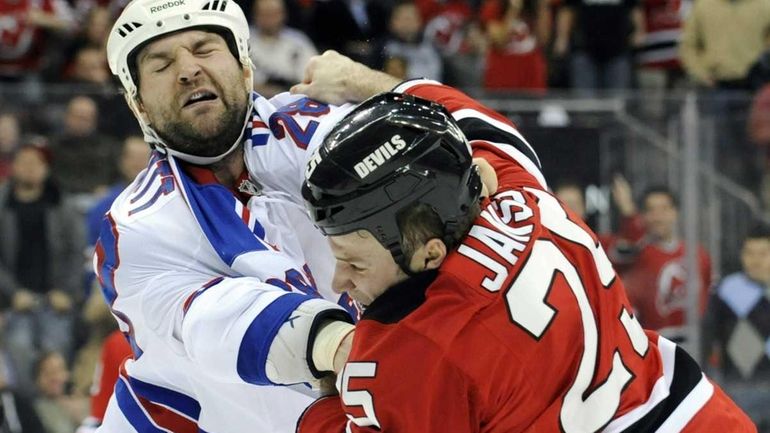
108	245
132	411
214	208
166	397
255	346
149	203
150	181
259	139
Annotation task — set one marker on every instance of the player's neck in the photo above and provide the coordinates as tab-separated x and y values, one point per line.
229	169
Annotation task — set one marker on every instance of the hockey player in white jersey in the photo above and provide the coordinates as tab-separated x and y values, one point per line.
205	258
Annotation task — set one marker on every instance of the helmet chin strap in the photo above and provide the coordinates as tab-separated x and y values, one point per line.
207	160
152	137
401	259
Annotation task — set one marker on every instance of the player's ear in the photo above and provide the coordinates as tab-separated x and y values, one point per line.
429	256
248	76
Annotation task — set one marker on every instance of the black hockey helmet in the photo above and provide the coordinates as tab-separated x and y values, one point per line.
391	152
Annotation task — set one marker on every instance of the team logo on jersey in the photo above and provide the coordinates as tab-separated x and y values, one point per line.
248	187
380	156
672	288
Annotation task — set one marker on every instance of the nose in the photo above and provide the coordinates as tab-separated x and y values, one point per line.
189	68
341	281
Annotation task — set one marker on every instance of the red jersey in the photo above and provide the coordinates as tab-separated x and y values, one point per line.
663	21
447	25
519	64
759	119
114	350
656	282
429	9
21	43
524	328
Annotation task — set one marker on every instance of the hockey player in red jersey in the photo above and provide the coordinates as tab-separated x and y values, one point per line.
498	314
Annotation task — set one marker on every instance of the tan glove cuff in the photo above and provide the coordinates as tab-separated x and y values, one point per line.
327	342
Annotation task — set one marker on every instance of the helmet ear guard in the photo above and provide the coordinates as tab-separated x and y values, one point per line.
390	153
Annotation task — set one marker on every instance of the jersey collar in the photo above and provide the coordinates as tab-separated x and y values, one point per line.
401	299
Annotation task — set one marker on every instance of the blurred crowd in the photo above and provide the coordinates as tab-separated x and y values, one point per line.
492	44
65	156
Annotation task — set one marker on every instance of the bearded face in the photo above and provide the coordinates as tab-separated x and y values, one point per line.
192	92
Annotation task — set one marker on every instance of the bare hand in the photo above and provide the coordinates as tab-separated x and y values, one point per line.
36	17
488	177
622	195
343	351
60	301
335	79
23	300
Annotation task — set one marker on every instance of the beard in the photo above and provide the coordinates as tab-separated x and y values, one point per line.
187	137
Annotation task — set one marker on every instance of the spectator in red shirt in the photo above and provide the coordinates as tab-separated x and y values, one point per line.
658	53
453	29
114	351
514	59
653	268
26	25
759	134
647	253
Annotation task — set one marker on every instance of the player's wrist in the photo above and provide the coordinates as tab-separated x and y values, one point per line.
327	343
367	82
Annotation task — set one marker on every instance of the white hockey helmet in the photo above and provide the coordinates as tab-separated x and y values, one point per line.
145	20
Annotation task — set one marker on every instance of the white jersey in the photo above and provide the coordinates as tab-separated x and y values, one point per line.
216	295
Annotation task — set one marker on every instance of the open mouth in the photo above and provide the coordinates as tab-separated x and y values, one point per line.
200	97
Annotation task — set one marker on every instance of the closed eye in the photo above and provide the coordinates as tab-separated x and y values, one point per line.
356	268
205	49
204	52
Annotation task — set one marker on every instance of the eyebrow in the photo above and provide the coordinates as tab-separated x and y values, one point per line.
349	259
165	54
154	56
342	257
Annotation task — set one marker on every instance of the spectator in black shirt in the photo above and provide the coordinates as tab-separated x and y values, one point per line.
41	256
737	329
17	414
349	26
83	158
600	35
759	73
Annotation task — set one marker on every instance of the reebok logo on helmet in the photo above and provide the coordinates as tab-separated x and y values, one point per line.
166	5
380	156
